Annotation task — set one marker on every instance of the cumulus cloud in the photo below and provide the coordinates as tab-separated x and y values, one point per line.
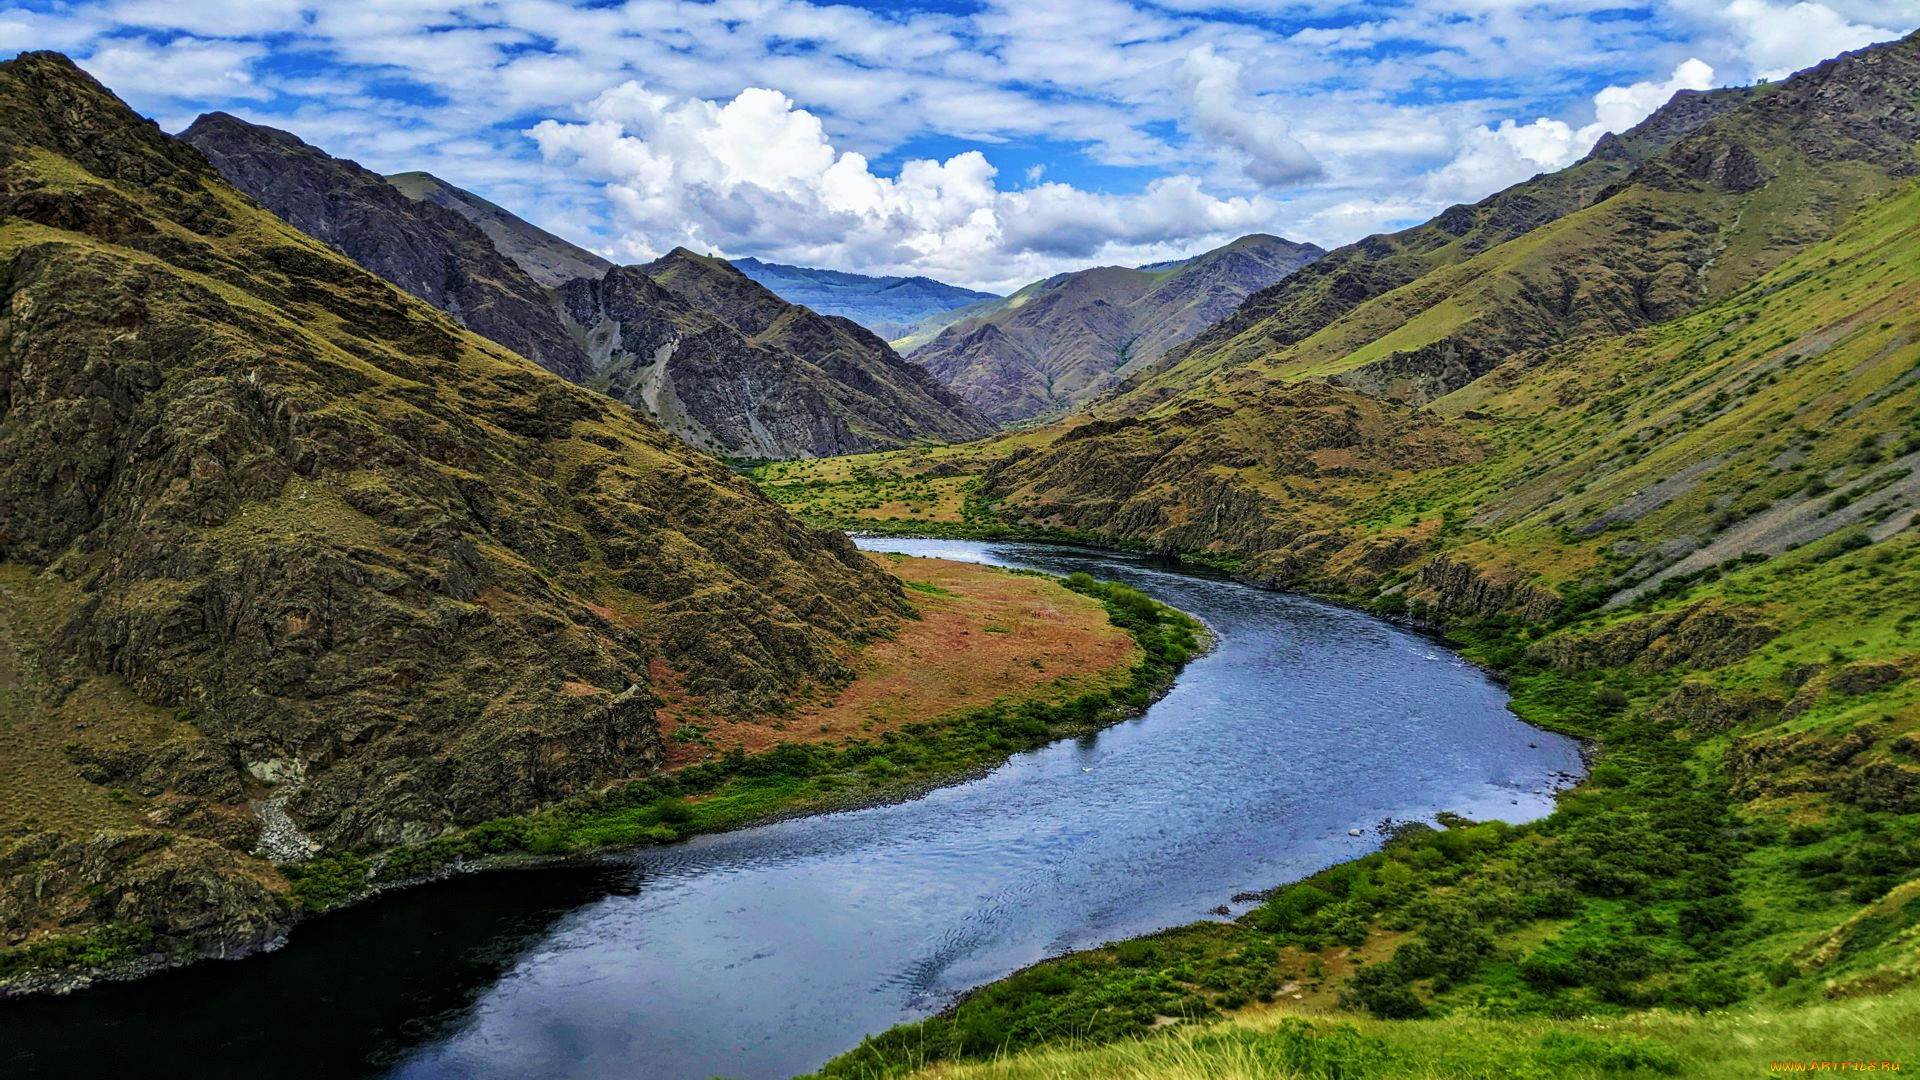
1498	155
1220	113
758	174
1316	119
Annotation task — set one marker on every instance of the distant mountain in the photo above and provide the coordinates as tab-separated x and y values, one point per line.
545	257
888	306
719	360
1058	342
734	369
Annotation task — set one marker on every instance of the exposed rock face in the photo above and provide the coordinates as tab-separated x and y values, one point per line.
1705	710
423	247
719	360
389	572
1455	588
1062	341
545	257
888	306
736	370
1699	636
1222	475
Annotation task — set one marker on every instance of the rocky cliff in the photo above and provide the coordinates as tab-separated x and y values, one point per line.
293	562
432	252
1065	340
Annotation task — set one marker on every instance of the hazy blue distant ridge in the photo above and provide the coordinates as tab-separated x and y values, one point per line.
888	306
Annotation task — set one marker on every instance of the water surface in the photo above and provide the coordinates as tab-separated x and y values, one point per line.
762	953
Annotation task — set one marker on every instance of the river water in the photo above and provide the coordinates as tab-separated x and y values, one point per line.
762	953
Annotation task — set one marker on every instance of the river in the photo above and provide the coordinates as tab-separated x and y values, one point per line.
763	952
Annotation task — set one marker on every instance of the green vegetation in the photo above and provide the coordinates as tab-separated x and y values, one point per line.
738	788
1695	547
1730	1045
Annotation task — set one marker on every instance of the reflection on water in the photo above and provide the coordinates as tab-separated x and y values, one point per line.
763	952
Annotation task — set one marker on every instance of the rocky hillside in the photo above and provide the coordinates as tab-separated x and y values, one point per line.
545	257
1297	307
794	385
737	371
1062	341
888	306
425	248
291	562
1697	220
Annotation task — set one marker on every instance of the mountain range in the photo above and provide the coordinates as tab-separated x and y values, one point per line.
722	362
1062	341
318	535
888	306
1643	436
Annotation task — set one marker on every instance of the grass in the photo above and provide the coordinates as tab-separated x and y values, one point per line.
1277	1045
982	635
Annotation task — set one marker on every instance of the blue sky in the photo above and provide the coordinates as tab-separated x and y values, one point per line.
984	143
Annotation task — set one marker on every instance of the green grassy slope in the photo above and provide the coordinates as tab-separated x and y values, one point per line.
1693	543
1689	223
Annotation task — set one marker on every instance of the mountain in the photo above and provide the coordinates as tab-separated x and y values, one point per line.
1655	458
799	390
888	306
545	257
1294	309
1062	341
1693	223
291	562
426	249
736	370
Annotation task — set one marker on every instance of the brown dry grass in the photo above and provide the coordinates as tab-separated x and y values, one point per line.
985	635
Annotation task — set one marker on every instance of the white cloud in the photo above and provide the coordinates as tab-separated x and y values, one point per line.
759	175
1220	113
1780	39
185	68
1326	119
1496	156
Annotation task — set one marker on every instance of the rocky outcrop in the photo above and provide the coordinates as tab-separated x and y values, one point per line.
1707	710
1455	588
1701	636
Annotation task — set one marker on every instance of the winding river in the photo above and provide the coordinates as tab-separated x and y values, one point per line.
762	953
